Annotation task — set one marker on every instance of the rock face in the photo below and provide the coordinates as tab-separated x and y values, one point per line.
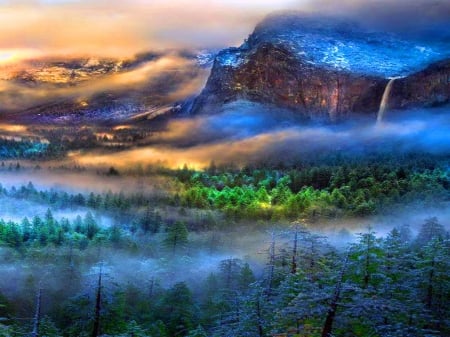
427	88
325	69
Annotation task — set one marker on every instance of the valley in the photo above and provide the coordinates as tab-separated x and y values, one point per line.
296	184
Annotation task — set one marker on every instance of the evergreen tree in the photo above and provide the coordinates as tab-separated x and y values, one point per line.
178	310
177	236
90	226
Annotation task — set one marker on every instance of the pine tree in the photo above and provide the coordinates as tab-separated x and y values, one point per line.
90	226
178	310
177	236
430	230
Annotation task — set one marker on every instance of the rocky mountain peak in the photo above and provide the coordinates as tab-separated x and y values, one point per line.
325	67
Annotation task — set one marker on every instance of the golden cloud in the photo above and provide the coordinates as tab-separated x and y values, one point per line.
118	28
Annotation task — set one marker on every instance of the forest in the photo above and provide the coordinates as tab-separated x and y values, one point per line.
228	251
358	189
224	168
396	285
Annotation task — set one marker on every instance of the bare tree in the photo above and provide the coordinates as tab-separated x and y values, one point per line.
37	313
331	313
98	306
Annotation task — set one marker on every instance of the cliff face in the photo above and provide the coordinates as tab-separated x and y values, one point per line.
271	74
323	70
427	88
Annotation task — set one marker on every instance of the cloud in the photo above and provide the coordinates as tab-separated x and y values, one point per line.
118	28
15	96
427	19
249	134
122	28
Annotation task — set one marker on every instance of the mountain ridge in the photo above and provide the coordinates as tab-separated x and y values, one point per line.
268	68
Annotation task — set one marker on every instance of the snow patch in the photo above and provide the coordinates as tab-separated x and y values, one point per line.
348	47
230	58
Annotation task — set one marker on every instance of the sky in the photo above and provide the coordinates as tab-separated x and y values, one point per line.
116	27
34	28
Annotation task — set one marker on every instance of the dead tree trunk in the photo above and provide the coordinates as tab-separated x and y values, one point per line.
367	275
259	317
328	325
272	259
98	307
429	298
294	253
152	285
37	314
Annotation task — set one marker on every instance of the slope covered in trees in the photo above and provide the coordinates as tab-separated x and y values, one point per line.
224	252
396	285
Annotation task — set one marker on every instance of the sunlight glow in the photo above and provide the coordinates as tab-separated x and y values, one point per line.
6	57
9	56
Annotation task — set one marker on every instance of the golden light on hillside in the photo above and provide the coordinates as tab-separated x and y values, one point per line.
12	128
170	158
122	127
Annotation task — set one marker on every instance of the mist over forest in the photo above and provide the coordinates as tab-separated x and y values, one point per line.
225	169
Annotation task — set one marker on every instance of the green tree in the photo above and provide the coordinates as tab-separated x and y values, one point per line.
90	225
178	310
150	221
177	236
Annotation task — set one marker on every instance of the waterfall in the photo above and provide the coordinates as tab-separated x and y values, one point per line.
385	100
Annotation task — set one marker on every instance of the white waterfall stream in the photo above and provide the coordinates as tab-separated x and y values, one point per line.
385	100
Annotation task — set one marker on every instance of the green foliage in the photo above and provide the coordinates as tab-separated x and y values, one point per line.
15	149
49	231
198	332
388	286
178	310
177	236
150	221
318	191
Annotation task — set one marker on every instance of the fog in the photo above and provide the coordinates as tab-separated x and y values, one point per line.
240	134
43	30
190	79
201	257
246	133
74	181
58	269
16	209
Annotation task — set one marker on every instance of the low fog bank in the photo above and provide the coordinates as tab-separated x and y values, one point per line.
166	79
248	133
202	256
413	215
150	261
84	181
16	210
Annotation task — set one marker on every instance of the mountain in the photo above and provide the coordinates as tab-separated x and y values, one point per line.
318	67
95	90
326	68
427	88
